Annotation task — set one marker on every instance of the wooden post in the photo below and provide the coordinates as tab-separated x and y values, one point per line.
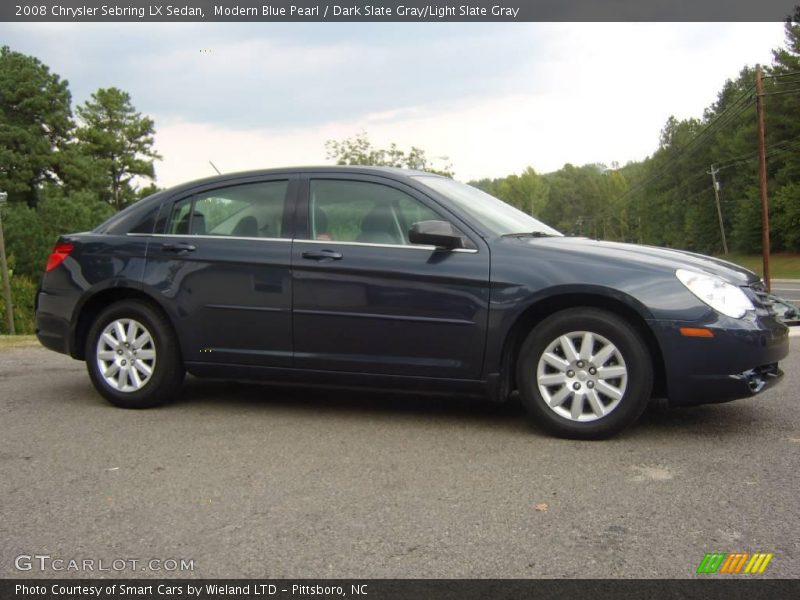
4	275
713	172
762	177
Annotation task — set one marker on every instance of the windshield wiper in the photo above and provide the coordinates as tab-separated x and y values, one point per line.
535	234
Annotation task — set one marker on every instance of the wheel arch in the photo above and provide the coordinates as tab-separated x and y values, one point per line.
540	309
88	311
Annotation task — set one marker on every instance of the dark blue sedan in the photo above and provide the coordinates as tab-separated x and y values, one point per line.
368	276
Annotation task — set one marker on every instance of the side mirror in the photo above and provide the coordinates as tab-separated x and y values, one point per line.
435	233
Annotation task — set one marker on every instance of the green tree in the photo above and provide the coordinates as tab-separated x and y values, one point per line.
746	237
35	122
580	200
27	242
30	234
783	130
785	218
358	150
527	191
119	141
23	292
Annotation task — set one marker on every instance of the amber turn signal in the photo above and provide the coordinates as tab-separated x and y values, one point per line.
696	332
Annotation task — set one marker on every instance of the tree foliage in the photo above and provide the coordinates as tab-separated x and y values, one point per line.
31	233
62	178
35	123
668	199
358	150
120	142
59	178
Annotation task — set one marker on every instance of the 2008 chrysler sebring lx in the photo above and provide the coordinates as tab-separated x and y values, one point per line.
393	278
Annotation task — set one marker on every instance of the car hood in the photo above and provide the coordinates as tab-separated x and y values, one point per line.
647	256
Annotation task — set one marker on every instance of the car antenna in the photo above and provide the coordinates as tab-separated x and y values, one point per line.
215	168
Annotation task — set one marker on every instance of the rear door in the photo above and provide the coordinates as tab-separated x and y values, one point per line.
221	260
367	300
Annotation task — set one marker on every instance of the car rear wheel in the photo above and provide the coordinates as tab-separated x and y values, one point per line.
584	373
132	356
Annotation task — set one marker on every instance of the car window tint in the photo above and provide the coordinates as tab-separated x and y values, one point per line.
179	219
249	210
357	211
410	211
146	222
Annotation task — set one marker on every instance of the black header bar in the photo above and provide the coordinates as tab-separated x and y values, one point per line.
735	587
396	10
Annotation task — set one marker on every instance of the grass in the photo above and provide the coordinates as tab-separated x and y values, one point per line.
13	341
781	266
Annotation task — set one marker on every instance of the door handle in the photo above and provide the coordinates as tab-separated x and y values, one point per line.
179	247
322	255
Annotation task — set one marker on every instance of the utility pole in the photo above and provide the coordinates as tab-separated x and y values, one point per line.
4	270
762	176
713	172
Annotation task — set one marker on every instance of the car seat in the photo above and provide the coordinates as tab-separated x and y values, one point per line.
379	226
246	227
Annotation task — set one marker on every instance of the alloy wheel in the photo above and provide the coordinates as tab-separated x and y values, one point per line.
126	355
582	376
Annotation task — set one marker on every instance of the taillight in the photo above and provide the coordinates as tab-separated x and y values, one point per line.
60	251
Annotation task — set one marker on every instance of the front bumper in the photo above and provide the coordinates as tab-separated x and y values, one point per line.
740	361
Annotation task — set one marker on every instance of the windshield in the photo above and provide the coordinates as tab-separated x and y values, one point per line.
494	214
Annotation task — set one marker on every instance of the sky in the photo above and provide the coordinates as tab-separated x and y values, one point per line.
490	99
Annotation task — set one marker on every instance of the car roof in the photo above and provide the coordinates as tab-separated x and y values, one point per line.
393	172
139	208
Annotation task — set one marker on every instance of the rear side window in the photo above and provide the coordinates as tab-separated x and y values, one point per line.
146	223
253	210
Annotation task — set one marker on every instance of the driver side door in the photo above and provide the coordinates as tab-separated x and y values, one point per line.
366	300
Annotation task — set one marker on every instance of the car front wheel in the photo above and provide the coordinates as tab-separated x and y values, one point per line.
132	356
584	373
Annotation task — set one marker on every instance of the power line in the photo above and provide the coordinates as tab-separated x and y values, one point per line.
787	81
736	108
781	75
775	148
794	91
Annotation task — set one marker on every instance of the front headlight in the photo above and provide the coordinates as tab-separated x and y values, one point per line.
718	294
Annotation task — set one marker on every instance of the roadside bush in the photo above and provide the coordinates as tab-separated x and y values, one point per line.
786	211
31	233
23	293
27	242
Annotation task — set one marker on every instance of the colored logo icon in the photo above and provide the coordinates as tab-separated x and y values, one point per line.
735	563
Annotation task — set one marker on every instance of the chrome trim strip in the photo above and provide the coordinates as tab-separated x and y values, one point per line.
405	246
328	242
208	237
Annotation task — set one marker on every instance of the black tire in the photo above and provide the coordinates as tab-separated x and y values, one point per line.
636	388
167	369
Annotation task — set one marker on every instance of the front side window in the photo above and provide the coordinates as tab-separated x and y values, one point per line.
254	210
492	213
358	211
